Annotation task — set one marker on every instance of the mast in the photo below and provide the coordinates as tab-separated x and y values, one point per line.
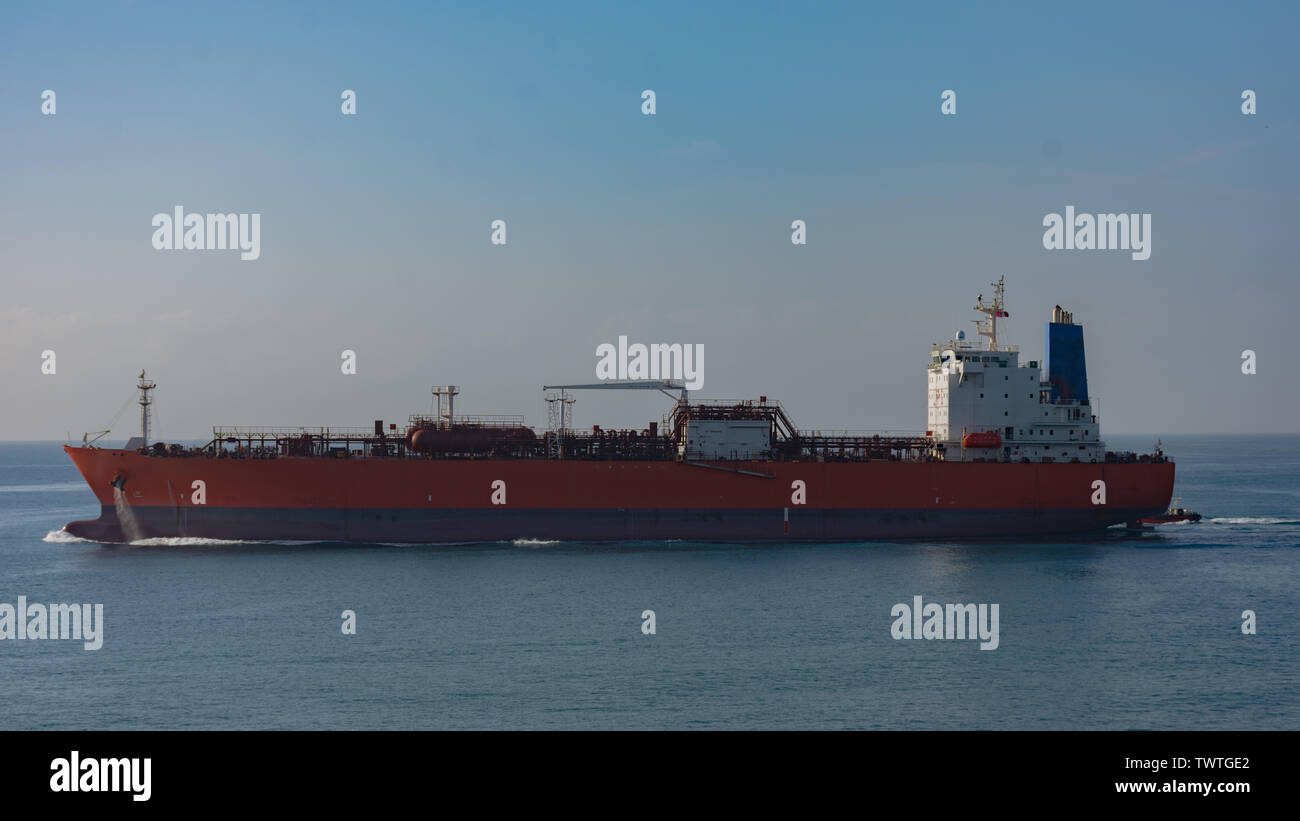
145	385
989	327
558	419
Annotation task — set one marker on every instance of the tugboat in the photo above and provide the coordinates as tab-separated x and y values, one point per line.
1173	514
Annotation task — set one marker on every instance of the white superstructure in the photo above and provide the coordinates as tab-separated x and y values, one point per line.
982	389
733	439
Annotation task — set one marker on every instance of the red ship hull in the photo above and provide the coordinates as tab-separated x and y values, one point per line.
448	500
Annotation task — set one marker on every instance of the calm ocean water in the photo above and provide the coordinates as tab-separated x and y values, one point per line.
1113	631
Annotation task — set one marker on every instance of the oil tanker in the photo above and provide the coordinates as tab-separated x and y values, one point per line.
1010	449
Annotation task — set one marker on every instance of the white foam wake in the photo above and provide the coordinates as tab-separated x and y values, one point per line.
207	541
62	536
534	542
1251	520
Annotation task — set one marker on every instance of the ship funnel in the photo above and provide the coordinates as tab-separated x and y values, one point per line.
1067	367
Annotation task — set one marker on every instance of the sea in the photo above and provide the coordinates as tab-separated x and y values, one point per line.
1111	631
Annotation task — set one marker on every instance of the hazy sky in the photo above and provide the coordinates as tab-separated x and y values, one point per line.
674	227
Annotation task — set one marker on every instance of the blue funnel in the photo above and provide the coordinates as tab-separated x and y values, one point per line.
1067	367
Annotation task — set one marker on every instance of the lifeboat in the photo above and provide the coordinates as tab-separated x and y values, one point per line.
987	439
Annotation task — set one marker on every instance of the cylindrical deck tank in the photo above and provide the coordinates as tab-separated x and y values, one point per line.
468	439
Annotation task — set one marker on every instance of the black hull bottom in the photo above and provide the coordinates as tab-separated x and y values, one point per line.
646	524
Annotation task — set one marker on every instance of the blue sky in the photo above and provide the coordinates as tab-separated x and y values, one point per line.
665	228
